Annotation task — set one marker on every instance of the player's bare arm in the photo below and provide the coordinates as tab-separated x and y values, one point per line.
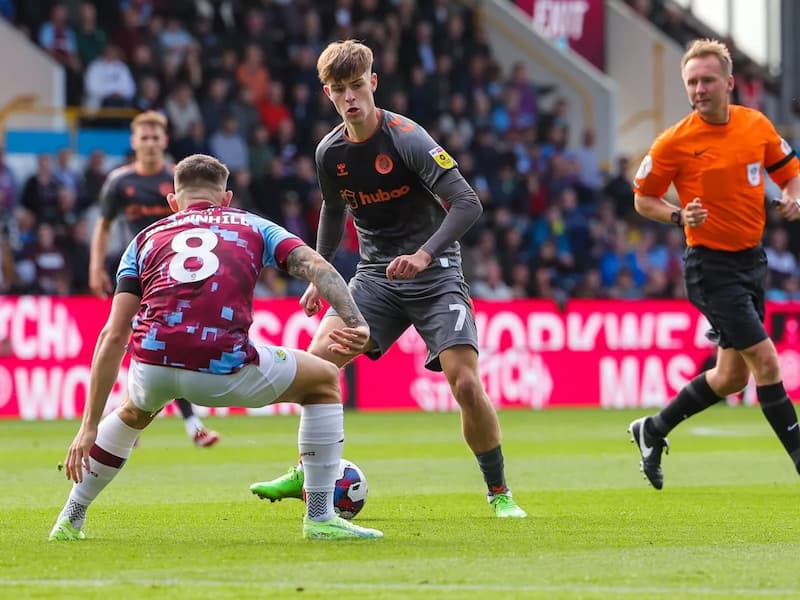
99	281
305	263
106	360
693	214
789	204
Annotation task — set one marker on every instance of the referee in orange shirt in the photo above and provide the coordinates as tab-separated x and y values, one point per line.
716	157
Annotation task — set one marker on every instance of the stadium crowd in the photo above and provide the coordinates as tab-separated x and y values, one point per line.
237	80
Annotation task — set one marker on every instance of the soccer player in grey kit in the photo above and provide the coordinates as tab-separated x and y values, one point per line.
410	205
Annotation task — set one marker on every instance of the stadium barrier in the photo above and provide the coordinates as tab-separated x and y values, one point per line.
607	354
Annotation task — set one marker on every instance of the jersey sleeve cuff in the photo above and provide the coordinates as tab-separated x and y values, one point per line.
132	285
284	248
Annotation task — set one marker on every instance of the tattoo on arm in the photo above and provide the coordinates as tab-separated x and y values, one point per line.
305	263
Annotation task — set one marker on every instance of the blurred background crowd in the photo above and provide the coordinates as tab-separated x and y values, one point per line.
237	79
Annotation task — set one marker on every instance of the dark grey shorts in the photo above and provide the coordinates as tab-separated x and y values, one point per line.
728	288
436	303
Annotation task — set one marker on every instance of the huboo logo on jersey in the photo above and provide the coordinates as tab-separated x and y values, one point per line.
442	158
379	195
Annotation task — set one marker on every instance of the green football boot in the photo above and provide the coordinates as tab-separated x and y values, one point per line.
285	486
505	508
63	531
336	529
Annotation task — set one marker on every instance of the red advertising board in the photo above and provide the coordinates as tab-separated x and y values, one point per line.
609	354
578	23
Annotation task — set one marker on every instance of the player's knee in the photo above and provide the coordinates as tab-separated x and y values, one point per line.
133	416
467	389
725	382
325	387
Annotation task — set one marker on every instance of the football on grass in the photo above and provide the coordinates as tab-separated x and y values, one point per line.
350	492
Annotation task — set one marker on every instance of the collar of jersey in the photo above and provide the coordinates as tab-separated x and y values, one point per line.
200	204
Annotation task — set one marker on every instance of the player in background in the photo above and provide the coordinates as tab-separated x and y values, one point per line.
136	193
411	206
715	157
185	287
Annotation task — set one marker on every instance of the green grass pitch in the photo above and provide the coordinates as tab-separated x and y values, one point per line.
179	522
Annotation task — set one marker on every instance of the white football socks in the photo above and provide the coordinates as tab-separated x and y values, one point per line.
192	425
116	439
320	440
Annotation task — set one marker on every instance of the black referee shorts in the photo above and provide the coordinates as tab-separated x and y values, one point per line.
728	288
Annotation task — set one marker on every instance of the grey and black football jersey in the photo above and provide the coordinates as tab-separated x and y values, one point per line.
140	200
386	181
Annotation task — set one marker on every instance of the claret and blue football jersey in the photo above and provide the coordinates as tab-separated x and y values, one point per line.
195	272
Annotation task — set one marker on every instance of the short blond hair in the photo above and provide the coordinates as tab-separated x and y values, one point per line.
149	117
342	61
200	171
709	47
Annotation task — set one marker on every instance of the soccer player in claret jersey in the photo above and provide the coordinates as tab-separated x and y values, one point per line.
185	287
411	206
716	157
138	193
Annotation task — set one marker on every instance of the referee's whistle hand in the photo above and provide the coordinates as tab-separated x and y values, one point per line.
789	208
694	214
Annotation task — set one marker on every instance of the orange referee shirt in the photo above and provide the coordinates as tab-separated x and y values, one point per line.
723	166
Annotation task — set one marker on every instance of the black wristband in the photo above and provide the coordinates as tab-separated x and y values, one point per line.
677	217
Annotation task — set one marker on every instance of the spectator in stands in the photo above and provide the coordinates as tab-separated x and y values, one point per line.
215	104
40	193
620	190
182	110
556	117
590	174
90	38
590	285
53	275
245	111
58	39
491	286
174	40
93	177
781	262
749	89
8	275
576	228
127	36
618	258
108	81
252	73
193	143
625	286
527	94
260	152
8	191
143	63
149	96
273	110
456	119
229	146
65	173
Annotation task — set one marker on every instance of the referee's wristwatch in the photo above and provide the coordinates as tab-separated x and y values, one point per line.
677	217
